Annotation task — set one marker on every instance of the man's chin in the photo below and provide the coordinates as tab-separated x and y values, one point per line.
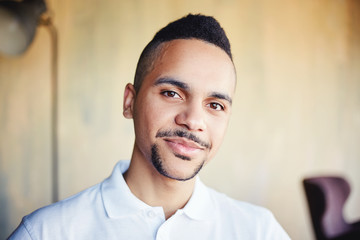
182	157
178	176
173	169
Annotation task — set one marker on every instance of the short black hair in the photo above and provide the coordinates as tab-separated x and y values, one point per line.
197	26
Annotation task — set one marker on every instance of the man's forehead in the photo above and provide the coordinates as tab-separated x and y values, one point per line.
194	47
201	54
182	43
192	61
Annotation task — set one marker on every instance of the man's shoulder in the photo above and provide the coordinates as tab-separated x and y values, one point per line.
60	218
75	205
240	211
249	216
225	202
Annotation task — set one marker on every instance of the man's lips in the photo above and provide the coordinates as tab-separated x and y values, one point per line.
183	146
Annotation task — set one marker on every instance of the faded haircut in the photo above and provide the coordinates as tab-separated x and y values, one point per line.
198	26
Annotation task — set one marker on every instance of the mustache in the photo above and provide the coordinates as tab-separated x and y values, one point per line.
183	134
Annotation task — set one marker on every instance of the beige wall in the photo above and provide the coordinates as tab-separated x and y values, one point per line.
296	111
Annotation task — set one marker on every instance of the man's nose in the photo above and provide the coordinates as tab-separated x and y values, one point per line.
192	117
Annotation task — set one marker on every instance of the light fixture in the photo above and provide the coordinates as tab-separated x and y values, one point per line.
18	23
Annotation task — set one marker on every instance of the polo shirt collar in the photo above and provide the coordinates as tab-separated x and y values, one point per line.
201	205
117	197
120	202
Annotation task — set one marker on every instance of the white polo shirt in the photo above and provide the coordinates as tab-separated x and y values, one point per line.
109	210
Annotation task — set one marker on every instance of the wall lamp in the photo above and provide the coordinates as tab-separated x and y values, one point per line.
18	23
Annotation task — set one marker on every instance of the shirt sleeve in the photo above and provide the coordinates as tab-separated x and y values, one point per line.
20	233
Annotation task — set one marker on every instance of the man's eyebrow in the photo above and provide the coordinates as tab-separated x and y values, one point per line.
177	83
171	81
221	96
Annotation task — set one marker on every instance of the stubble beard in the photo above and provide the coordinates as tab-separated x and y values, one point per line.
157	162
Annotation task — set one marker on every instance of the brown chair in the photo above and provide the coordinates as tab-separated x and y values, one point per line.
326	197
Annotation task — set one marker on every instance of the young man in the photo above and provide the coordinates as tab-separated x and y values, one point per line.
180	104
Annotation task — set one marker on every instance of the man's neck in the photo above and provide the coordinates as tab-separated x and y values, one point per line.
155	189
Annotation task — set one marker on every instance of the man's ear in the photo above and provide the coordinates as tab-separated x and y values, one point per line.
129	98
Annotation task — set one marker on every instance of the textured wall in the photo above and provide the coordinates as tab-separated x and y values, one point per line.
296	111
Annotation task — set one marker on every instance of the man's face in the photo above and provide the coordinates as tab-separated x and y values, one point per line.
182	108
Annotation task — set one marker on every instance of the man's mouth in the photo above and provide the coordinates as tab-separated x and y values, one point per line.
183	147
184	138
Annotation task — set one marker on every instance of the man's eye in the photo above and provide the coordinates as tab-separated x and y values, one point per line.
170	94
216	106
